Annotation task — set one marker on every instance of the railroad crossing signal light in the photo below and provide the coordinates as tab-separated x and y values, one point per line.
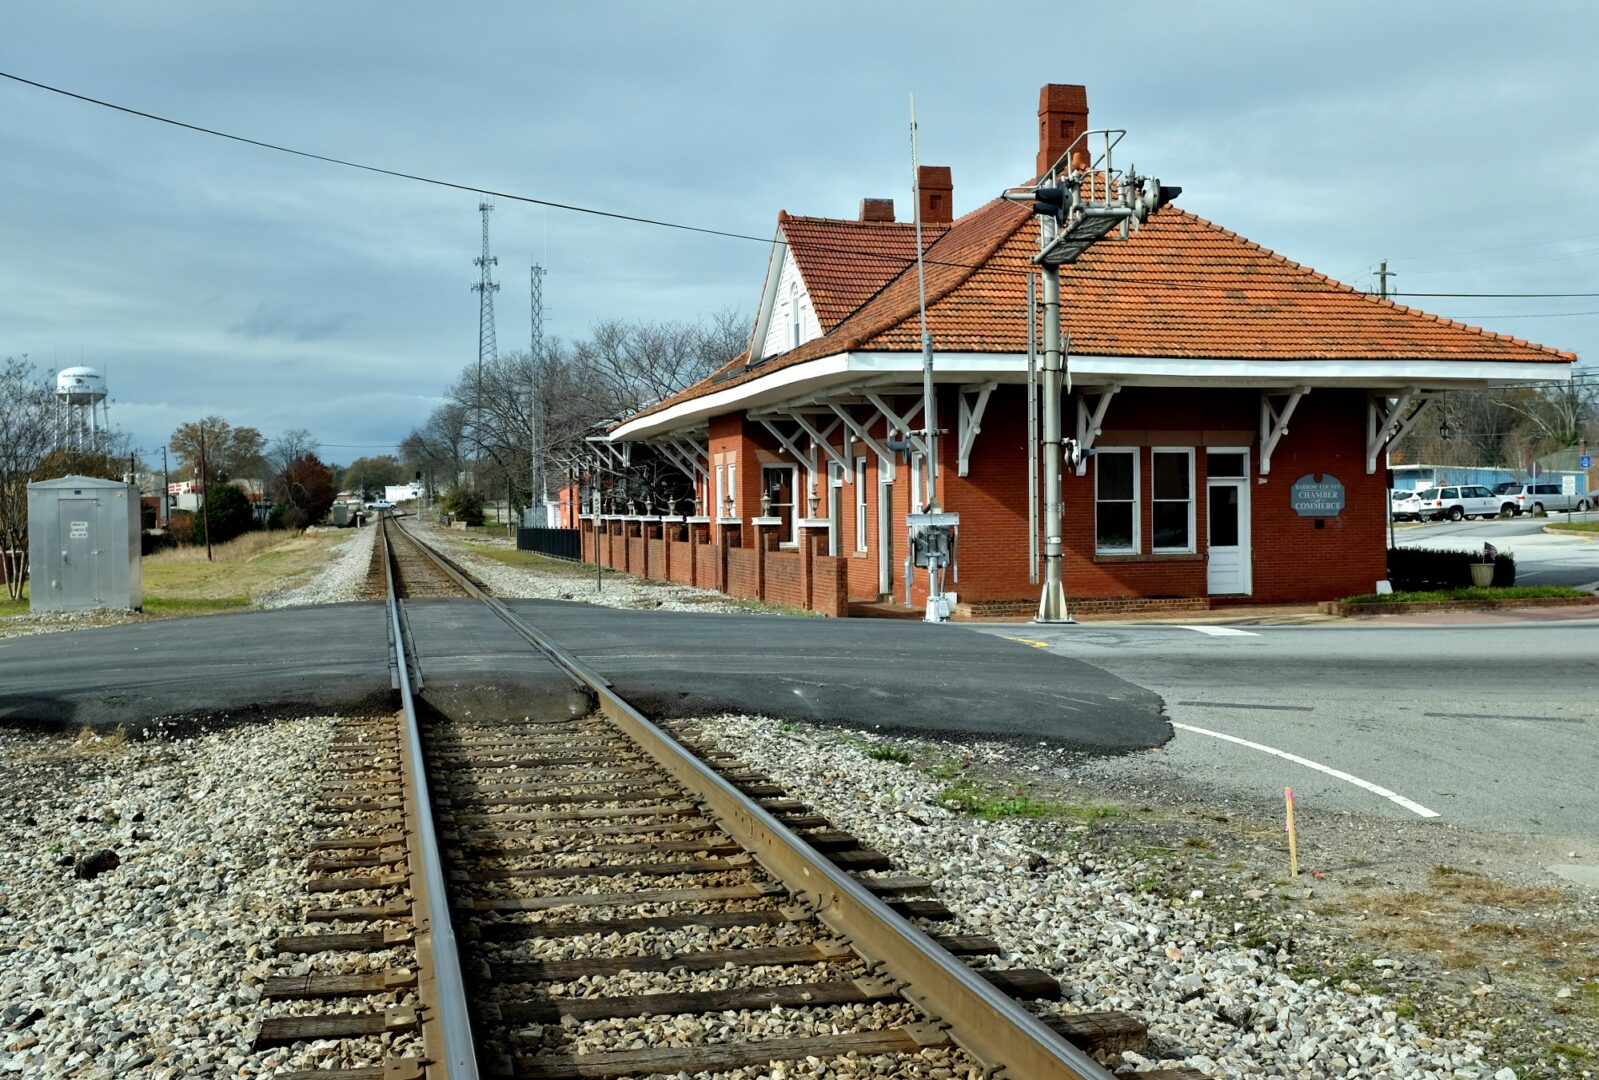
1051	202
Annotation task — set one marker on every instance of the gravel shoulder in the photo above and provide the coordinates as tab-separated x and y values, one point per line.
148	968
511	574
1400	950
339	580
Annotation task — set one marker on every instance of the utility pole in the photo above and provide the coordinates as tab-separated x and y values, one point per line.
205	495
1383	274
166	491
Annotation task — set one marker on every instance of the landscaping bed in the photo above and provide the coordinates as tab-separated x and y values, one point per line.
1464	599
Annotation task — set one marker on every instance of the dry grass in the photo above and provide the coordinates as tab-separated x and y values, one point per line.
181	581
241	549
1470	888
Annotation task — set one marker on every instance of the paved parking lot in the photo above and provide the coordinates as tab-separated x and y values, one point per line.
1542	558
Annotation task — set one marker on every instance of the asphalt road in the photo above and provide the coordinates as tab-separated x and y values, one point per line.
1541	558
879	675
1493	727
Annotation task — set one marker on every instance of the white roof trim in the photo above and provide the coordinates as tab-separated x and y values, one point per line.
959	367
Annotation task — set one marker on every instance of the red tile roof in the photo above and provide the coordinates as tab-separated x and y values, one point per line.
1180	287
845	262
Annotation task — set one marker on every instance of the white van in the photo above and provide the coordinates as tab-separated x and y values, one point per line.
1540	498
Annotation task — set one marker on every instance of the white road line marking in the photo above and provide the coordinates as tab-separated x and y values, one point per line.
1220	631
1375	789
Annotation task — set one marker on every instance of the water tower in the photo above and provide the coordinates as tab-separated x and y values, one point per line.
82	409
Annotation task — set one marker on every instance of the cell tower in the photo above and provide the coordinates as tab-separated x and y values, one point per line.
537	494
486	287
82	412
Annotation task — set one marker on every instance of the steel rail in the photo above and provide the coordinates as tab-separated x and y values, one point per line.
452	1053
986	1022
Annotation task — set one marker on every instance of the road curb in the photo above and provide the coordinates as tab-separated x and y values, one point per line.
1340	608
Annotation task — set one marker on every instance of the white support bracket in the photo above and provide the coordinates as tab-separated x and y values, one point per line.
677	457
612	456
1088	422
1387	423
971	422
787	443
1274	422
900	423
697	455
885	456
820	438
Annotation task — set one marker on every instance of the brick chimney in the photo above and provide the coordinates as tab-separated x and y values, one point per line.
1062	116
937	191
877	209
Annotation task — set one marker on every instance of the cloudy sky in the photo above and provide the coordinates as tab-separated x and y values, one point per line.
1454	139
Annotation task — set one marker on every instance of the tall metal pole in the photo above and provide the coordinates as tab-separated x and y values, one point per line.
1052	599
929	400
205	495
166	491
1032	429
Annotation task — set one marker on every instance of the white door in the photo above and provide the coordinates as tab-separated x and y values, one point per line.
1227	532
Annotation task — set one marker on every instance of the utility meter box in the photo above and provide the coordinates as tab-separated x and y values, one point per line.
83	545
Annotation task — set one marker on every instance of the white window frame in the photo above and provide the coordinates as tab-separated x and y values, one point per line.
793	315
718	511
795	508
860	503
1136	454
1189	548
917	483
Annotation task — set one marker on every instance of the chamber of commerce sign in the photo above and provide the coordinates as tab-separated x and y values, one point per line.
1312	497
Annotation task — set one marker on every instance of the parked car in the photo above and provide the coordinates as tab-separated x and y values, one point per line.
1539	498
1404	506
380	504
1458	501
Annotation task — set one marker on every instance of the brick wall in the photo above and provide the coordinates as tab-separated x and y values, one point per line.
682	561
743	572
783	578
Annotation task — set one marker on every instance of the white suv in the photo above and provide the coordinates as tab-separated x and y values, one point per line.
1457	501
1539	498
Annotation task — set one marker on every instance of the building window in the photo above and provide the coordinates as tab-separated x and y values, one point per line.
732	489
778	484
917	484
1116	502
717	509
1172	492
793	316
860	503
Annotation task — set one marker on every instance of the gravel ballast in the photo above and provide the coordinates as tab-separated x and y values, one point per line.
619	590
150	968
339	581
1214	1000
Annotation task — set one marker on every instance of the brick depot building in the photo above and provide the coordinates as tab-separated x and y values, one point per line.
1216	383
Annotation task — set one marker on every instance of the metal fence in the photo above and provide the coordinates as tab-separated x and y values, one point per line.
558	543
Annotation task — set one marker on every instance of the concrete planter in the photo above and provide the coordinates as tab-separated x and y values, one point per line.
1482	574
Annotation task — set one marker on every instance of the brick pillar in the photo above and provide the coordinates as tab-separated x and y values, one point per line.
812	540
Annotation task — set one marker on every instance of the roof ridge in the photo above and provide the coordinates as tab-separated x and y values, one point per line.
967	271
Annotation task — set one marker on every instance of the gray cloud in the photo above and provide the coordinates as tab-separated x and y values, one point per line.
276	319
207	276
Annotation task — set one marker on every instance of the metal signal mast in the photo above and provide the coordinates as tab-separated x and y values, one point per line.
1080	200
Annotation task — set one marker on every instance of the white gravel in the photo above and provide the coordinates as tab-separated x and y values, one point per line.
149	969
341	580
618	590
1211	1002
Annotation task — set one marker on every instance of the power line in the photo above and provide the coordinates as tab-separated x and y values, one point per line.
1077	273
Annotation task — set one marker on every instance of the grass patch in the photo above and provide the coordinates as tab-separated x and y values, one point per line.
180	581
889	753
1514	592
168	607
967	797
1570	1050
948	769
1577	527
1470	888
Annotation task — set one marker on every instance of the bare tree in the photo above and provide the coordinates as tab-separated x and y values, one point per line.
27	437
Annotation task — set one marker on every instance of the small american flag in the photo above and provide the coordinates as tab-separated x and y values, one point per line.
1489	552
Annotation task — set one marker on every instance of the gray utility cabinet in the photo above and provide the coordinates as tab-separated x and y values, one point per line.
83	544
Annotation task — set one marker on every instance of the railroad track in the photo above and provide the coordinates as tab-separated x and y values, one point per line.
624	907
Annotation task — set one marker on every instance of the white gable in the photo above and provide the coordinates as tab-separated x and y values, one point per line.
791	321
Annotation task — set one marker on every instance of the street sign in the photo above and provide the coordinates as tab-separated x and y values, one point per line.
1585	461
